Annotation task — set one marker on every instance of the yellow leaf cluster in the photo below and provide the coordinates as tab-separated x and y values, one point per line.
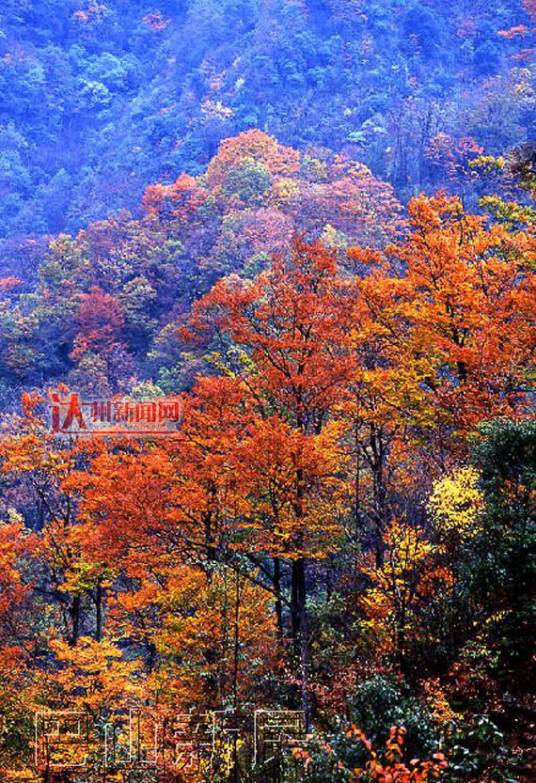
456	503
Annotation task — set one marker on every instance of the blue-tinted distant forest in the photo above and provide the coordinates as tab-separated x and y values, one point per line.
308	225
98	99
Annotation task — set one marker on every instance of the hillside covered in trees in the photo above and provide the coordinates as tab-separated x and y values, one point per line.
304	232
99	99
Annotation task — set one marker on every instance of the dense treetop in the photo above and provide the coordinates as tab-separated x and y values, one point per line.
98	308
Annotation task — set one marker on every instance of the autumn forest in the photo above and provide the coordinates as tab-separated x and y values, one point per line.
267	435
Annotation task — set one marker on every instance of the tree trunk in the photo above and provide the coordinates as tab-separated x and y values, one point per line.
236	643
278	602
75	619
300	631
99	614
